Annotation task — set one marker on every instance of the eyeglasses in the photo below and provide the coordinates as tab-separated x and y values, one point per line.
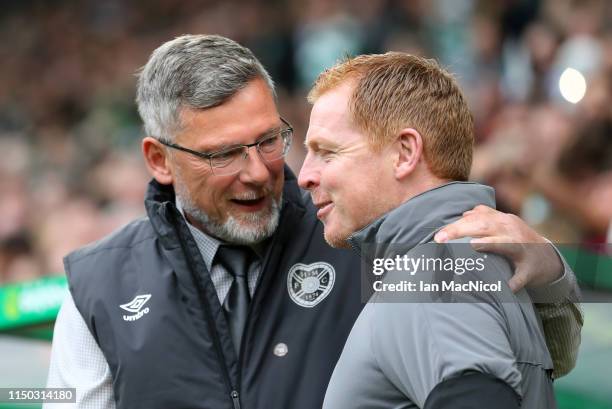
231	160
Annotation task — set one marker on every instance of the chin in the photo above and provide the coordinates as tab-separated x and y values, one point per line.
248	232
337	241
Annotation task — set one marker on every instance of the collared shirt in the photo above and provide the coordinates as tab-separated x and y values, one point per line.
221	279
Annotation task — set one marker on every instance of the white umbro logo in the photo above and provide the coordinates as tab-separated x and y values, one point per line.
135	307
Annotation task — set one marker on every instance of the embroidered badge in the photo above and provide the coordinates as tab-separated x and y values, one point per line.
135	307
309	284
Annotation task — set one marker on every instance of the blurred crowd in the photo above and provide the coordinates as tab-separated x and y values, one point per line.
538	75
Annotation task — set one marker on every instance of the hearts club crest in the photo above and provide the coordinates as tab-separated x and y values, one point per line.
309	284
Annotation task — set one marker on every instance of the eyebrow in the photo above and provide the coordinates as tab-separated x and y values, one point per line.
261	136
271	131
319	143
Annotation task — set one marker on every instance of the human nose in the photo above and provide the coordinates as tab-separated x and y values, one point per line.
309	174
254	170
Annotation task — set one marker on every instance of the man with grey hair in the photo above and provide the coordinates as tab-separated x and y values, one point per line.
226	295
173	88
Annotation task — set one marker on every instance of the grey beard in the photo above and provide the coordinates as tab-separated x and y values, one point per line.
254	228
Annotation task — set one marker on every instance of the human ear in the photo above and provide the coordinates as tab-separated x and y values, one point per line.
409	151
157	161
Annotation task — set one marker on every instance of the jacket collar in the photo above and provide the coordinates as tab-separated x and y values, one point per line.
418	219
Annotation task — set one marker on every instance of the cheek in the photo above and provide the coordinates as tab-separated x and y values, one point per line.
334	178
277	171
276	180
358	193
197	168
219	189
193	174
211	191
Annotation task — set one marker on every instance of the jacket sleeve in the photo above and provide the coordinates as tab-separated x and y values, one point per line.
77	362
473	390
562	319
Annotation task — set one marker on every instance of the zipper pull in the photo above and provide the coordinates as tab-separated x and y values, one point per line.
236	399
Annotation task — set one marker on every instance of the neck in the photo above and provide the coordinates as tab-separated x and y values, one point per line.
418	185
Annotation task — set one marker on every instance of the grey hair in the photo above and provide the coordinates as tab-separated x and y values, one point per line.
194	71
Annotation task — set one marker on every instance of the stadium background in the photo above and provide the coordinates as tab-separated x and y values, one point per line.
538	75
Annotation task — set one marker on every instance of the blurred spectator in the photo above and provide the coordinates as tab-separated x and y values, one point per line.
579	183
69	131
324	33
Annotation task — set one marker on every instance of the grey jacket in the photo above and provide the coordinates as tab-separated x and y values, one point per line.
402	350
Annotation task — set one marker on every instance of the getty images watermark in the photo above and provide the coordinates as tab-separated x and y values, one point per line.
427	265
456	272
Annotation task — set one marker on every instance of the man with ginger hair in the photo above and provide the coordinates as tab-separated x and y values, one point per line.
389	153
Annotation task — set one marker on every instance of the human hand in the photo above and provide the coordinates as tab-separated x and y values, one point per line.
536	263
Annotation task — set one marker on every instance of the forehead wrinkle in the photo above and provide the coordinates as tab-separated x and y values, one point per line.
272	130
319	138
344	145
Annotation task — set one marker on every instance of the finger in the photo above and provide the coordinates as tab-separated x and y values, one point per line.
441	236
479	209
484	208
518	281
497	244
467	226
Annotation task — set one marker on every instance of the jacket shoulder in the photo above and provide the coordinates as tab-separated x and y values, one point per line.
125	237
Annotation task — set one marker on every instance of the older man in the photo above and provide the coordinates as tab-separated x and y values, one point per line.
225	295
389	152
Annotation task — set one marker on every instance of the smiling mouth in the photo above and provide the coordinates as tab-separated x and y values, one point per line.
250	204
324	209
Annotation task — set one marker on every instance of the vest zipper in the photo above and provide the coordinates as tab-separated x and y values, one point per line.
236	399
234	396
264	264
